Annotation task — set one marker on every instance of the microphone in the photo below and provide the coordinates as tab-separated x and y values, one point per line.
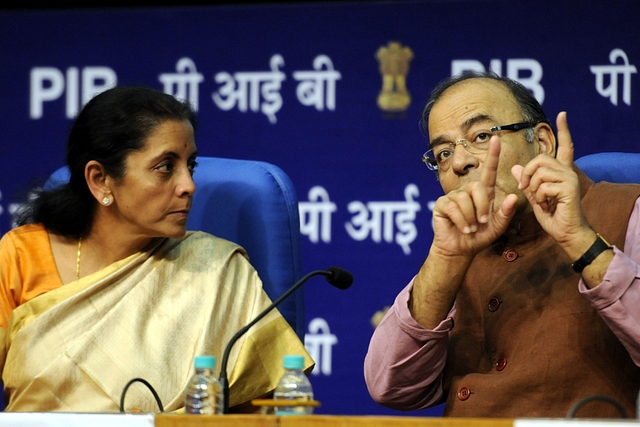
336	276
339	277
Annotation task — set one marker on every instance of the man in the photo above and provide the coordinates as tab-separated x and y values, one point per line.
516	312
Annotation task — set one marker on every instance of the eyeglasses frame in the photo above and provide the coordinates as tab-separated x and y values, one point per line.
431	163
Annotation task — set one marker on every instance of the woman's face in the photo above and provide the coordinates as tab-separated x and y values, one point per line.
154	197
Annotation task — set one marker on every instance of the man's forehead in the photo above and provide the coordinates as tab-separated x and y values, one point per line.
482	87
471	98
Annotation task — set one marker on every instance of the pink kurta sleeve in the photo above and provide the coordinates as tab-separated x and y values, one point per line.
617	298
403	367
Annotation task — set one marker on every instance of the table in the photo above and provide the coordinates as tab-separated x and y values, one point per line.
172	420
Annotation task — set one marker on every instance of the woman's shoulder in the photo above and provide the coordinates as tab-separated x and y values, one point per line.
203	236
26	245
202	249
26	234
202	240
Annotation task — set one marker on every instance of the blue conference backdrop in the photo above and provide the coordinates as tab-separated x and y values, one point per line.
331	93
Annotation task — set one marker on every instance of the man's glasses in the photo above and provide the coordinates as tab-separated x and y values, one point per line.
475	142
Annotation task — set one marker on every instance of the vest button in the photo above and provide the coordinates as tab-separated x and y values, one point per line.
510	255
464	393
494	304
501	363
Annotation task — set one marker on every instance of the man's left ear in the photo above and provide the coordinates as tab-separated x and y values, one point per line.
545	139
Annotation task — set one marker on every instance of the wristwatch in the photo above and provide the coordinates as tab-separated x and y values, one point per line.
599	246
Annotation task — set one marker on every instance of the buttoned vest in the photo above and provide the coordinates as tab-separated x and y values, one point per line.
525	343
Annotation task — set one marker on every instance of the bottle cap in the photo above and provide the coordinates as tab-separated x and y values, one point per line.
293	362
203	362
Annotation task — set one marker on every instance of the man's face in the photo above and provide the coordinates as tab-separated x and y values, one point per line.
471	105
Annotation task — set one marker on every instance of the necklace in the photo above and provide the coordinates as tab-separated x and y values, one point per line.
78	259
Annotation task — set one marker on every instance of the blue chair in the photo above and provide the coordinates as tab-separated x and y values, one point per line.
611	166
254	204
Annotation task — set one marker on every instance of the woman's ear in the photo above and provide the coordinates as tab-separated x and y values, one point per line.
546	139
98	181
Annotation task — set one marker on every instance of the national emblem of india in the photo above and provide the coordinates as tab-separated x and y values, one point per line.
394	66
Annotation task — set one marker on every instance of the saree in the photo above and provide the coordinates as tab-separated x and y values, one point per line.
74	348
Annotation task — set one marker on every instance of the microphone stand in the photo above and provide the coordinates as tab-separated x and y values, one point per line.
224	381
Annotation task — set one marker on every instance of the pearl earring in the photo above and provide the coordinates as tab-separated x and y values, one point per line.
106	200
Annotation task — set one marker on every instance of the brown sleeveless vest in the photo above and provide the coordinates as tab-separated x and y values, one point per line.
525	342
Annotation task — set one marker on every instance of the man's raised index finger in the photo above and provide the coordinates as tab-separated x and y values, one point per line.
490	166
565	143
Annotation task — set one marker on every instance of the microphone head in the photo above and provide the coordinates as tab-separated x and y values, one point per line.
339	277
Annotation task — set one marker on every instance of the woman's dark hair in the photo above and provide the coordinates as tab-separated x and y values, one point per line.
112	125
531	109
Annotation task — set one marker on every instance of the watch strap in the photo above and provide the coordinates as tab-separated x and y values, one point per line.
599	246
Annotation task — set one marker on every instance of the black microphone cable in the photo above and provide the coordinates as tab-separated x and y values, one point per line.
145	382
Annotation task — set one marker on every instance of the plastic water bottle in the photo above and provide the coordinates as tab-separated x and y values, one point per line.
204	393
294	386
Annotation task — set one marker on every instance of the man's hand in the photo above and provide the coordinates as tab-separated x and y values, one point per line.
552	188
464	219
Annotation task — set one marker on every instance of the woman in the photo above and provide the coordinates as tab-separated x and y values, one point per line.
101	282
